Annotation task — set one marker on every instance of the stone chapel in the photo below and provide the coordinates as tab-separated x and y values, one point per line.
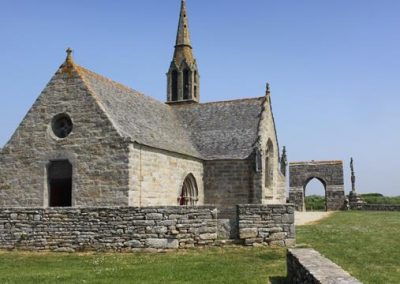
90	141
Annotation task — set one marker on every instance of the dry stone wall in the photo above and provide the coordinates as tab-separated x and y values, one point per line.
267	224
379	207
134	228
308	266
107	229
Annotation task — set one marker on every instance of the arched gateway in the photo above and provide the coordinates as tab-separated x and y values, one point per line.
330	173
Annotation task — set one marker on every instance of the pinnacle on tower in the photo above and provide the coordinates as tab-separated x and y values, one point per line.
183	75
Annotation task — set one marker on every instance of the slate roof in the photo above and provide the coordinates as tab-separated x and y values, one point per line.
220	130
143	119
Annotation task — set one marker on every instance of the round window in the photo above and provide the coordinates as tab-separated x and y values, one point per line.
62	125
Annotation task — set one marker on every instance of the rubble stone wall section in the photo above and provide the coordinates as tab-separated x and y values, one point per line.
107	229
380	207
271	224
309	266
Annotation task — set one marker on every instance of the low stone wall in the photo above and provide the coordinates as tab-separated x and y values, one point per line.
107	229
309	266
380	207
267	224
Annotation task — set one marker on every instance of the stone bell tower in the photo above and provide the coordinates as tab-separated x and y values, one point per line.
183	75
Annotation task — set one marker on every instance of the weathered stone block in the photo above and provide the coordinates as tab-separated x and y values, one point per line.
162	243
247	233
208	236
277	236
154	216
134	244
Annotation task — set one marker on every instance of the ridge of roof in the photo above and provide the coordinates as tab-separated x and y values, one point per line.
216	102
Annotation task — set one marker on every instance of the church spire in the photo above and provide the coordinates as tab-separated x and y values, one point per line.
183	35
183	75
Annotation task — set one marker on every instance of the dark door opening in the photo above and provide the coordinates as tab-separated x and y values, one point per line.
60	183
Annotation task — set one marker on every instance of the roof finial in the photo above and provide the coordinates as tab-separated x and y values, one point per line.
69	54
267	90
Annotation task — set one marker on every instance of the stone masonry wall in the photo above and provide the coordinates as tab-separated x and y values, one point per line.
227	182
156	176
308	266
267	224
275	191
98	154
107	229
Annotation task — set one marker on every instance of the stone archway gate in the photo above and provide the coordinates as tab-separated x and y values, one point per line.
330	173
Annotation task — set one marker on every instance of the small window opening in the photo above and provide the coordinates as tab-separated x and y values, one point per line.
62	125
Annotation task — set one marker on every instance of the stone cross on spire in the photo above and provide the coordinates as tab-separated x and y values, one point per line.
69	54
183	35
267	90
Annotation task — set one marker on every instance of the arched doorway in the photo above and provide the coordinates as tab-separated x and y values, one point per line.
314	195
59	175
189	192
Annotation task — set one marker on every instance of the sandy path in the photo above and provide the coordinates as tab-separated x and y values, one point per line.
304	218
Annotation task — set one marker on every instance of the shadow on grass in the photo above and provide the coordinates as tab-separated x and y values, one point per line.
278	280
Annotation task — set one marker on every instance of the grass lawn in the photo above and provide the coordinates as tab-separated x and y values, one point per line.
215	265
366	244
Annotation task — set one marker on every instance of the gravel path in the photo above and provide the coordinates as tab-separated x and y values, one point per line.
305	218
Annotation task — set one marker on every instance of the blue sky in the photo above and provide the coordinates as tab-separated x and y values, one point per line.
333	66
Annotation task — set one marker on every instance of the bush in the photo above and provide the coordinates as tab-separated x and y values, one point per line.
315	203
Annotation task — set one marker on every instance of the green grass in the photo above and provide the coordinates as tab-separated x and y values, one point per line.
366	244
216	265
